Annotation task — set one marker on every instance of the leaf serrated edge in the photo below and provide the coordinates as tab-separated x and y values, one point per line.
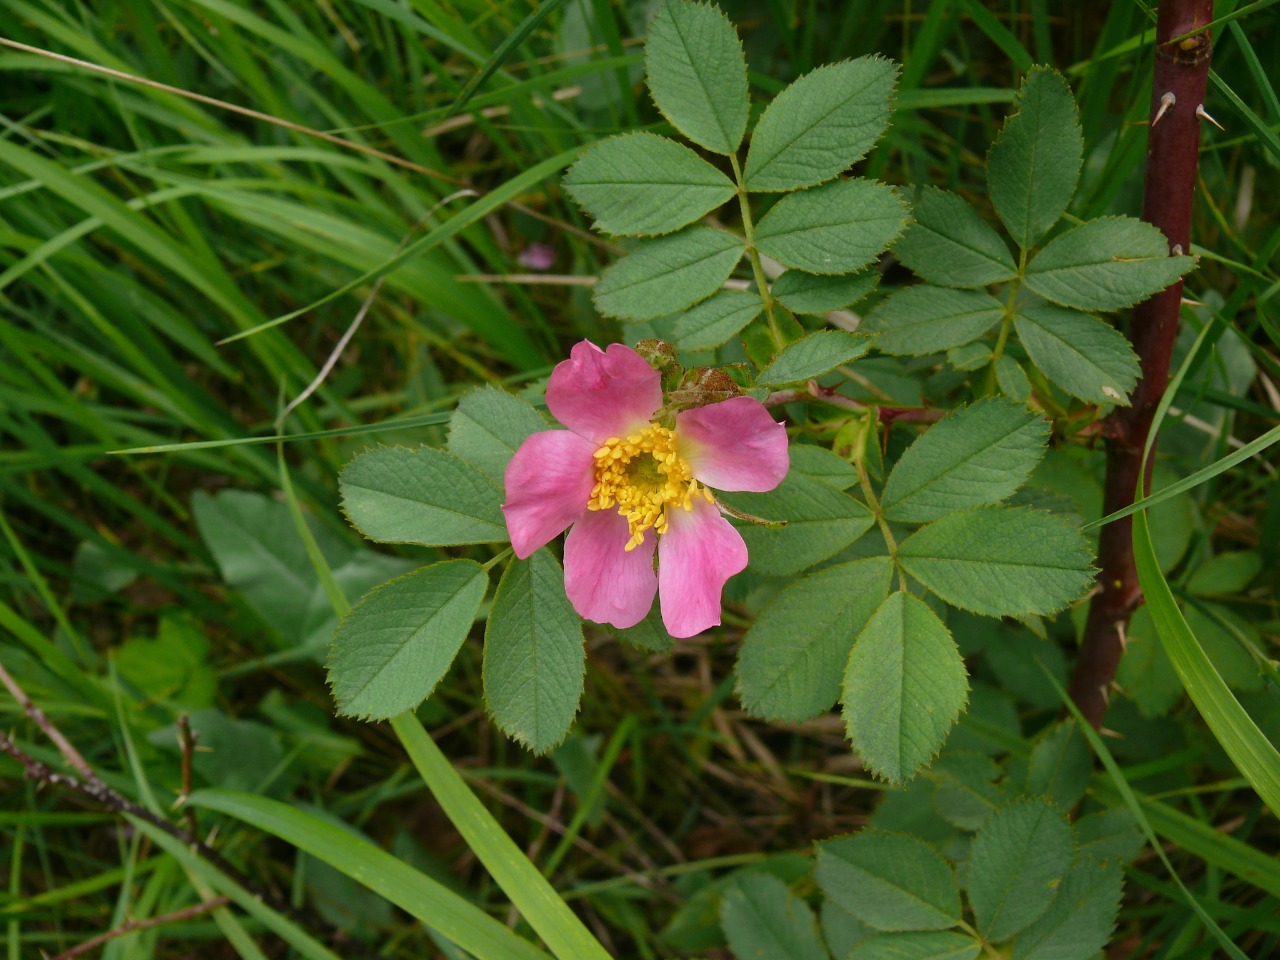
1037	416
519	736
1036	68
342	497
1089	569
328	660
892	99
968	688
571	188
745	76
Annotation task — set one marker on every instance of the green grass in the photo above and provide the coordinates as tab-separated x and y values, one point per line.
173	272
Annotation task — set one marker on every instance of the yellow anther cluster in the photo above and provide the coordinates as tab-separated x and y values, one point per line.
642	475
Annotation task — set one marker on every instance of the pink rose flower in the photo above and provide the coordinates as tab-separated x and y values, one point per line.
630	486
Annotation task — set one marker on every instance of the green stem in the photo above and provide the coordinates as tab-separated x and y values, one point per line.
873	504
757	268
1006	322
987	948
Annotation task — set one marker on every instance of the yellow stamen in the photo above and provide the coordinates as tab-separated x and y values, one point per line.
642	475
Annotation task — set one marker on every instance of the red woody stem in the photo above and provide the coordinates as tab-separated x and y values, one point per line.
1177	96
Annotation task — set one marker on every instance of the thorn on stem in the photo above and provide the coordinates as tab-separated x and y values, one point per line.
1203	114
1167	100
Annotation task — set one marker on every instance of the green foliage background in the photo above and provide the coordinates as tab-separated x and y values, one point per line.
141	230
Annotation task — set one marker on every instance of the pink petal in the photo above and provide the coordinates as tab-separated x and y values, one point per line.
548	484
733	445
604	393
604	582
697	554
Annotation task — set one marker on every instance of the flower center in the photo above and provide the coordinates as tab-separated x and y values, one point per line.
642	475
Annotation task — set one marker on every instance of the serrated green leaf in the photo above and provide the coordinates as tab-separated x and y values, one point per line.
697	74
1084	356
821	521
970	356
974	456
762	918
967	793
786	675
802	292
1109	835
1034	164
716	320
889	881
1079	922
1012	379
1060	766
836	228
649	634
1017	861
821	464
420	495
1000	561
949	244
816	354
820	125
667	274
926	319
841	930
917	945
395	644
488	426
904	686
534	658
1105	264
641	183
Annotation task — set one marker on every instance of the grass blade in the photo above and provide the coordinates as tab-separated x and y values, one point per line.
430	902
529	891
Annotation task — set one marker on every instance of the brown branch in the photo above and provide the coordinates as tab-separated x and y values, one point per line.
1177	98
131	926
90	785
